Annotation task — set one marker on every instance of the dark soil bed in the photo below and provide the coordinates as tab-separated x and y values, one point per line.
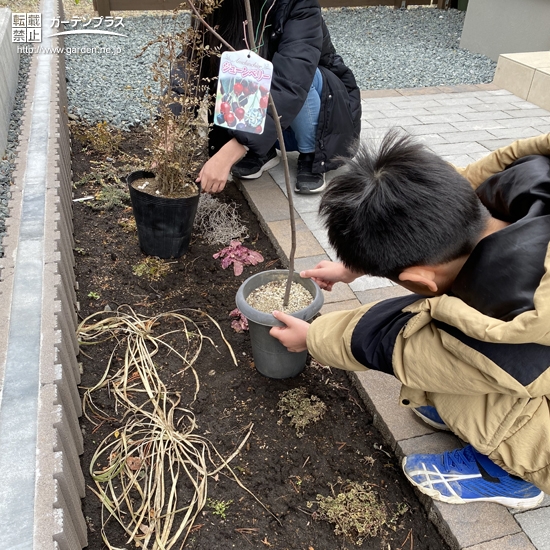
283	470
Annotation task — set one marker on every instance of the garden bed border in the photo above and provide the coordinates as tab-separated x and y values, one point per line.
40	436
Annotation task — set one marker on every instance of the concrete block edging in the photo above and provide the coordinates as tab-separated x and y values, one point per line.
39	408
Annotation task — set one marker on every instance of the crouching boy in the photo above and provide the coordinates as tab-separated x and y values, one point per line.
473	338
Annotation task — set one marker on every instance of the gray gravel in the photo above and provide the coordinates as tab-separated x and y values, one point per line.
111	86
386	48
389	48
7	162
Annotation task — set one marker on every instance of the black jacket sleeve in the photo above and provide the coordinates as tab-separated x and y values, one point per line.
299	38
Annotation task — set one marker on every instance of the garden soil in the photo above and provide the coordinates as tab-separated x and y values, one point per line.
284	471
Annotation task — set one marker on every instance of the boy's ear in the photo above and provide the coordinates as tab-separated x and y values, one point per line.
420	275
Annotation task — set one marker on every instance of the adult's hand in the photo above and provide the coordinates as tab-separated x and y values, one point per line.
215	172
293	336
327	273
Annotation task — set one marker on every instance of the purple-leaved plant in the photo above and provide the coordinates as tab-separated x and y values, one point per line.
240	322
239	256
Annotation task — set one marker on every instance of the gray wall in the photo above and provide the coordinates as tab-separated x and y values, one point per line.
493	27
9	67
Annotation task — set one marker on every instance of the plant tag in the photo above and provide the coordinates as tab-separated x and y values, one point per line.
244	82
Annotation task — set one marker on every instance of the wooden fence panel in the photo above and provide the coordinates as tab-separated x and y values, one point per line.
104	7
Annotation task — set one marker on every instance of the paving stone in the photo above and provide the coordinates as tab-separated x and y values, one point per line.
430	139
321	235
535	525
371	115
522	104
415	103
473	524
428	90
430	129
441	118
369	94
446	109
339	293
376	133
390	122
487	86
405	111
398	424
499	92
544	129
525	121
494	144
467	147
472	125
536	112
511	542
382	293
474	135
312	220
366	282
459	100
266	198
502	106
308	262
480	154
459	160
340	306
514	133
544	504
306	243
376	105
488	115
464	88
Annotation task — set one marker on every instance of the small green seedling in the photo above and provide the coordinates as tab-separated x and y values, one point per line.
93	295
219	507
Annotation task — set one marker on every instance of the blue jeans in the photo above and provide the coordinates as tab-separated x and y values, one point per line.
304	126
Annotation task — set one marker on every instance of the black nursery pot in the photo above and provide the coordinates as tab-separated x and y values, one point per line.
164	224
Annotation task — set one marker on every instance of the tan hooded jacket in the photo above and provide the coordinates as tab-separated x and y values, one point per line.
487	373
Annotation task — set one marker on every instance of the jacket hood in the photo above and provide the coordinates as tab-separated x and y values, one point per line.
502	294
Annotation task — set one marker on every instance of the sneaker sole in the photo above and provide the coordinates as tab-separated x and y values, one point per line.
268	165
432	423
510	502
309	191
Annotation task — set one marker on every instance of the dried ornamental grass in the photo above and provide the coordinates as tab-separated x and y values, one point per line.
219	222
141	468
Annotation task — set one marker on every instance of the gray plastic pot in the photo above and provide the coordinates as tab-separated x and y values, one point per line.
271	358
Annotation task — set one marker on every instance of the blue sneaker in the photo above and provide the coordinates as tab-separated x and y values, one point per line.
464	475
431	417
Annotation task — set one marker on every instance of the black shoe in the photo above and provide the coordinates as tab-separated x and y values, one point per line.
252	166
307	182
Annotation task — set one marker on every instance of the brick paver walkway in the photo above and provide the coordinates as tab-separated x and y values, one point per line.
462	124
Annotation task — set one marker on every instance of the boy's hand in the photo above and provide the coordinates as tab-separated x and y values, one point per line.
294	335
326	274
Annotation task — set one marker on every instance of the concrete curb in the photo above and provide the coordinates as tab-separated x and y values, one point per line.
39	429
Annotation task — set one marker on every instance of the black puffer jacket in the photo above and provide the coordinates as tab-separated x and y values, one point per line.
299	43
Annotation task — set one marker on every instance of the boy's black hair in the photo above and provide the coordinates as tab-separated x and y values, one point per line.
400	206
